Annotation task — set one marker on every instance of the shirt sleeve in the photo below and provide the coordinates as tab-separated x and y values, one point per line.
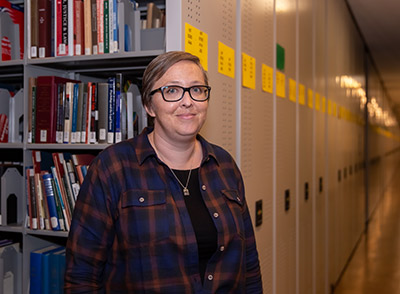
91	234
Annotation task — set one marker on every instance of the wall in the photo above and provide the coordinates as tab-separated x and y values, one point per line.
297	131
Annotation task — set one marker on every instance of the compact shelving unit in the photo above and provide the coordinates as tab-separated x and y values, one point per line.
84	68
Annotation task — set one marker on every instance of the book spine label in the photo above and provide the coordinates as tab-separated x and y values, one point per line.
111	110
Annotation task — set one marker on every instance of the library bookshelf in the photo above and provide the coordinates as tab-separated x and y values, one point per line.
17	155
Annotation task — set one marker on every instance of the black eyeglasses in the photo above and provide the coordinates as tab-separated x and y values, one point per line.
176	93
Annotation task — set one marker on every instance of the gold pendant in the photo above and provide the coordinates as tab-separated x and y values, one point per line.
186	191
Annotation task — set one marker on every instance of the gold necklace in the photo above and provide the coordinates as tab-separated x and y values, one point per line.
184	187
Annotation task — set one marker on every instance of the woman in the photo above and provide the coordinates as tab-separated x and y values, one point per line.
164	212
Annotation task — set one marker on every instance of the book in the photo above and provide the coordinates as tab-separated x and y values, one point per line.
100	25
57	269
74	121
154	18
80	112
113	18
79	28
103	111
93	6
31	106
106	26
31	187
71	12
46	107
68	106
111	110
37	272
34	28
62	184
66	209
61	27
51	202
94	118
44	14
118	102
84	115
87	20
60	113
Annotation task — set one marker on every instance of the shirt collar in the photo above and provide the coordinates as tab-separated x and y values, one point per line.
144	150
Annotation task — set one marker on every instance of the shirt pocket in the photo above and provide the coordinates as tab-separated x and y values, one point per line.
235	205
144	215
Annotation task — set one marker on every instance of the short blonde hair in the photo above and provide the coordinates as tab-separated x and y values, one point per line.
159	66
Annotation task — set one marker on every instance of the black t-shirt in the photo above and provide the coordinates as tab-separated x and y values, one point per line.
203	225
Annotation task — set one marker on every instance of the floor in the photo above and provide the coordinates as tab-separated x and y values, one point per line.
375	266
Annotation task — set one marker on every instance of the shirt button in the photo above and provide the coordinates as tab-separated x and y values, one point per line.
238	199
203	187
222	248
210	277
216	215
141	199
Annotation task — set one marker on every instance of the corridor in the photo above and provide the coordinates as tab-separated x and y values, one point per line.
375	265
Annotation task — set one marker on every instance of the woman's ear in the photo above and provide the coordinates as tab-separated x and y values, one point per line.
149	110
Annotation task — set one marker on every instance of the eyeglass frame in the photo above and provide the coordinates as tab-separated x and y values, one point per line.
161	89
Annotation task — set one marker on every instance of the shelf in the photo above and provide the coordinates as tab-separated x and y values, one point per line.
100	65
11	145
47	233
11	228
66	146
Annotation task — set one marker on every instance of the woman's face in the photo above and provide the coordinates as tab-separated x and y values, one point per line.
182	119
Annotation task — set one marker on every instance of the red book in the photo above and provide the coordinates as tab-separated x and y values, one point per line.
44	7
46	108
79	28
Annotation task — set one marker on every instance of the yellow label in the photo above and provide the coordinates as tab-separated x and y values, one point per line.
280	84
310	94
226	60
302	94
248	71
323	104
292	90
334	109
317	101
196	43
329	107
267	78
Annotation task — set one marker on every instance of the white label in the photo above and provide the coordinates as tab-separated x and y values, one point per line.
54	222
43	135
102	134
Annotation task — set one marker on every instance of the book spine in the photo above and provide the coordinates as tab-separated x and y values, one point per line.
94	26
59	206
94	118
118	83
54	222
44	14
78	28
84	115
87	20
100	26
111	110
40	202
63	50
74	113
71	25
64	204
34	28
68	111
79	113
113	26
106	26
32	199
60	113
89	112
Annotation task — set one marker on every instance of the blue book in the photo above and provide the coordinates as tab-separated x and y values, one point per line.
36	269
74	113
56	269
51	202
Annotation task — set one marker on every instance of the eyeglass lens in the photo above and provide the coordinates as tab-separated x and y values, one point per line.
173	93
